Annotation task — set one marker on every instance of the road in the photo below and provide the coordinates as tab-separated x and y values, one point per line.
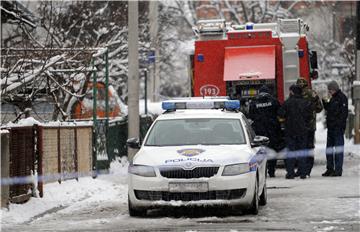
314	204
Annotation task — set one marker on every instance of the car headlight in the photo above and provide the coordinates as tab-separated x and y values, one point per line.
236	169
142	170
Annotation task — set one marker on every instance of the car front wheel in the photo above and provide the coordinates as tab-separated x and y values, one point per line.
254	207
263	196
136	212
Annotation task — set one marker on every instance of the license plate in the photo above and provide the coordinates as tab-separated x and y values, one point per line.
189	187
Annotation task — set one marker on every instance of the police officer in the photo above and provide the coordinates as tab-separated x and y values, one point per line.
296	113
316	107
336	115
263	112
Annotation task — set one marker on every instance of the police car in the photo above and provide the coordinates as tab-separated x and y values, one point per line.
199	152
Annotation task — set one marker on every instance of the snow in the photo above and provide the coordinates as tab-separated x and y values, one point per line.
33	74
30	121
71	196
2	131
154	108
123	107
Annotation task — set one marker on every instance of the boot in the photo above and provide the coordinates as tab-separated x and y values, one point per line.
328	173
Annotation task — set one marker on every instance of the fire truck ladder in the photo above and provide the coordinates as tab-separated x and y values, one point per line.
289	34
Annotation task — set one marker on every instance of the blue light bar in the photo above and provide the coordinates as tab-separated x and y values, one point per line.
232	105
168	105
196	103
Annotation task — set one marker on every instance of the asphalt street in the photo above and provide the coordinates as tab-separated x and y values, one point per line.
314	204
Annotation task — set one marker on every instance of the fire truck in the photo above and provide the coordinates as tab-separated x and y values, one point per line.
236	60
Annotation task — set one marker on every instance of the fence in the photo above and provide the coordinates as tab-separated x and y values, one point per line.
22	161
118	134
56	152
71	157
53	153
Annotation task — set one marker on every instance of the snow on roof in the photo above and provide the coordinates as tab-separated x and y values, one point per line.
152	107
3	131
30	121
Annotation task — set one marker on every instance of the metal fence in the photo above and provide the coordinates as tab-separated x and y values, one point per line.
117	136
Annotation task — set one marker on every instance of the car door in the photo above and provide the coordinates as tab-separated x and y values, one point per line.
259	153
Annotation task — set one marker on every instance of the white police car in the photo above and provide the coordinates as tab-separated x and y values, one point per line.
199	152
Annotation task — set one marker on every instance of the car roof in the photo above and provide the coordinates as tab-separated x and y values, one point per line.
200	113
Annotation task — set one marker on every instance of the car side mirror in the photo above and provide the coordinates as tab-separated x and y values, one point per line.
133	143
260	141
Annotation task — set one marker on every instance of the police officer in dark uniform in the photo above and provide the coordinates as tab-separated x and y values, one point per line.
263	112
296	111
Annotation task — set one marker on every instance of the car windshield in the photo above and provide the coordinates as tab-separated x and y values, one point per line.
209	131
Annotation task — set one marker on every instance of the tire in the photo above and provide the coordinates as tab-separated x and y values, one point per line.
136	212
254	207
263	196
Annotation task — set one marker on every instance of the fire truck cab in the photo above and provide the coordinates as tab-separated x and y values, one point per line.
236	60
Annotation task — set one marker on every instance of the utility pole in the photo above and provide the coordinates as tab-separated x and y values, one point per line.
154	77
133	77
356	84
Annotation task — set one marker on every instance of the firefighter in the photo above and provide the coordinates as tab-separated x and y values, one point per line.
336	114
263	112
316	107
296	113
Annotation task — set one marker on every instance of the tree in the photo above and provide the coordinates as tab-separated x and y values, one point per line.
65	38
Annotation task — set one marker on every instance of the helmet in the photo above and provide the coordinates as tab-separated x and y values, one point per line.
302	82
264	89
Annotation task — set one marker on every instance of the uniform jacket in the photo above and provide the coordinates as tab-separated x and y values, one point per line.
336	111
297	114
263	112
316	106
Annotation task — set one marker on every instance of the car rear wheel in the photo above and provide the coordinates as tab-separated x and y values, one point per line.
263	196
136	212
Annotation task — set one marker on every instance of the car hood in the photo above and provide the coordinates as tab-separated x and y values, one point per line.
191	156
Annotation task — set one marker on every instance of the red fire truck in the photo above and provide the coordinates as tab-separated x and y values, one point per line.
236	60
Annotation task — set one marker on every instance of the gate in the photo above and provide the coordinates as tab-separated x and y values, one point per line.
22	162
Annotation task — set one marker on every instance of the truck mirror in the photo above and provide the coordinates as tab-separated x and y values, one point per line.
314	74
313	60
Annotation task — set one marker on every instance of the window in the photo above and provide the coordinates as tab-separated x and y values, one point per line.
205	131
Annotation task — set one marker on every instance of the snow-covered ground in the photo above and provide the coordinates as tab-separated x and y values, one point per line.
72	196
76	194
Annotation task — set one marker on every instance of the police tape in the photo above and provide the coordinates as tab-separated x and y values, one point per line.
34	178
284	154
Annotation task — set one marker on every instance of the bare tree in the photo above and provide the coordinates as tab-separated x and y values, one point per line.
54	62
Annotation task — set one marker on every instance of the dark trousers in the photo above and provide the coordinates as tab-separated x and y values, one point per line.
309	163
335	150
271	165
296	151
